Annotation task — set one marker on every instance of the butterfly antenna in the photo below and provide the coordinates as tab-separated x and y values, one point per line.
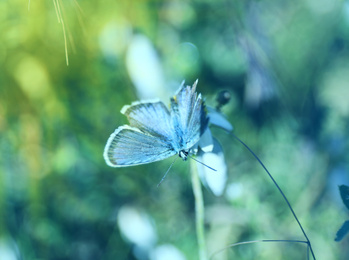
202	163
163	178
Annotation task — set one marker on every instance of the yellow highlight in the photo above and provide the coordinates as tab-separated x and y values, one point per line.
33	79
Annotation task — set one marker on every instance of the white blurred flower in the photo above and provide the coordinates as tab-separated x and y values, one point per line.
215	181
168	252
137	227
114	39
211	152
145	69
206	141
218	119
234	191
8	250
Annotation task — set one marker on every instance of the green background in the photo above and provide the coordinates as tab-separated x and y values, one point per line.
286	65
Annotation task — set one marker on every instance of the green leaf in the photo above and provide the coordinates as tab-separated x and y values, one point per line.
344	191
342	231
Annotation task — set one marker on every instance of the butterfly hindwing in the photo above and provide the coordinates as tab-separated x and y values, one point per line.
129	146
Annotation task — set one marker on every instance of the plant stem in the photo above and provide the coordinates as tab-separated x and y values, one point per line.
199	211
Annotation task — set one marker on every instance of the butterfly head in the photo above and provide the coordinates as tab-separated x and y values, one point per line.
183	154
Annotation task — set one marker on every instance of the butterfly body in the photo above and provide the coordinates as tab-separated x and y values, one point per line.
155	132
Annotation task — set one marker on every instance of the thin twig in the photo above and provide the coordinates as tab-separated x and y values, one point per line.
258	241
278	187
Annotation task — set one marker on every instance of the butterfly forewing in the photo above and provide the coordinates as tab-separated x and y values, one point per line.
129	146
186	98
189	115
150	117
198	121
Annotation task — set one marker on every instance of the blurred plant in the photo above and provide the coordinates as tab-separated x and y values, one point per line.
60	13
261	85
344	229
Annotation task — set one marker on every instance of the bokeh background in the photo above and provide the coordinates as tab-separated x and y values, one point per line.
286	66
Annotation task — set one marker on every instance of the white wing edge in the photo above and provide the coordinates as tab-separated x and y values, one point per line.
195	83
180	87
135	103
111	138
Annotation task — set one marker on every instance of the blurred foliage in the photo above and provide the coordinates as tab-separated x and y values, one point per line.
344	191
286	66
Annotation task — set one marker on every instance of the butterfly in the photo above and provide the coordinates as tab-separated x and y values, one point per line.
155	132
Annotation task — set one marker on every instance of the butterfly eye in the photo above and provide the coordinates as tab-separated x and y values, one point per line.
183	154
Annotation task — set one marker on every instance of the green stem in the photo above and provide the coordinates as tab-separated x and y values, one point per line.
199	211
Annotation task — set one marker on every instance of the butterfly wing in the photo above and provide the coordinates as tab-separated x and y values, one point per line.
150	117
129	146
188	115
155	133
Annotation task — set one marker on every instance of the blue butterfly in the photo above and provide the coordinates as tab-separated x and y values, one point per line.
155	132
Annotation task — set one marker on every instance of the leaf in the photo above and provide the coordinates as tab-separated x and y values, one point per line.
344	191
342	231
